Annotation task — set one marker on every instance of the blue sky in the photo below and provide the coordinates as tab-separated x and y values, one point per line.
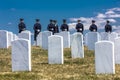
12	10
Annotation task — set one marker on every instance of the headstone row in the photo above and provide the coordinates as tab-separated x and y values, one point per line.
55	48
42	39
7	37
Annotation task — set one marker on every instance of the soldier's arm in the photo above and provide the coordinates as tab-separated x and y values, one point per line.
19	26
40	27
82	27
57	28
61	28
96	28
105	28
24	26
67	28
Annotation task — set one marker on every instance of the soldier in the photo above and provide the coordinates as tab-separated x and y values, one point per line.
79	27
21	25
37	29
64	26
56	27
93	27
108	27
51	27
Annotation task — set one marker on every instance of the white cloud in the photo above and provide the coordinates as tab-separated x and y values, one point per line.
114	16
112	20
100	15
110	14
115	9
114	27
72	25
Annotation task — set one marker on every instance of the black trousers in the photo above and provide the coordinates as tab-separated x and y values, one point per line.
35	35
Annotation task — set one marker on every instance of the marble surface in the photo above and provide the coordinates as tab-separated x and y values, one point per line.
4	41
71	39
10	38
104	57
117	50
26	31
55	49
104	35
21	55
25	35
45	36
77	47
31	34
66	38
39	40
15	37
92	38
32	38
112	36
85	39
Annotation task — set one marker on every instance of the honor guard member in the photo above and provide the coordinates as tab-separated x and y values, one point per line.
79	27
56	27
93	27
21	25
51	27
37	29
108	27
64	26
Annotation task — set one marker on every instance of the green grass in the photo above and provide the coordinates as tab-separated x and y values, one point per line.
72	69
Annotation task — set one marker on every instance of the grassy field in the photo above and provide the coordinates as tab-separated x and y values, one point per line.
72	69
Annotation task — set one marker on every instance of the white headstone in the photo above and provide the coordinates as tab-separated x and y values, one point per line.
15	37
21	55
55	50
26	31
92	38
45	36
112	36
104	36
39	40
118	34
85	39
4	42
32	39
66	38
104	57
25	35
117	50
71	39
77	47
10	38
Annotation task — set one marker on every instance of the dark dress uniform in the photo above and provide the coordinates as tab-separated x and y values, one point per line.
51	28
56	29
64	27
21	27
108	28
80	28
93	28
37	30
